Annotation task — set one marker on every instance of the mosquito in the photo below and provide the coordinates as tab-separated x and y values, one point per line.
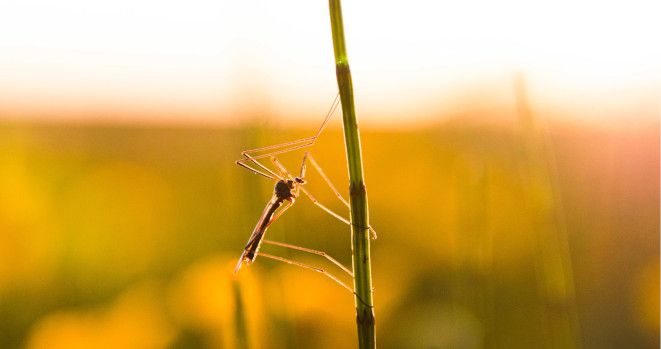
285	192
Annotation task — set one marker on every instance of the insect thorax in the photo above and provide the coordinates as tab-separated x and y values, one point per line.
283	188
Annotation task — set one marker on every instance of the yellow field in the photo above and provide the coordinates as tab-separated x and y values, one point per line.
490	236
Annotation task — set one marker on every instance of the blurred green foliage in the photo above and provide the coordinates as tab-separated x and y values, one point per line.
488	238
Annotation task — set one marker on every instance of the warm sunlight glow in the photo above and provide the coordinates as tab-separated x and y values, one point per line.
211	60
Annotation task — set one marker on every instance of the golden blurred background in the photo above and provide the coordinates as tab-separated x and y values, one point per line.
126	237
511	157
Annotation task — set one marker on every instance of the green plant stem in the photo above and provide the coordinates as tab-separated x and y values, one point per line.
360	243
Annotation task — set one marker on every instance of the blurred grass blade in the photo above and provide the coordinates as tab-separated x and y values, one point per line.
241	334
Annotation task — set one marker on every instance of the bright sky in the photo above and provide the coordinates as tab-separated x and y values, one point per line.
205	60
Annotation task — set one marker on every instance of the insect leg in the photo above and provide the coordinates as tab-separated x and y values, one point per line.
306	266
327	180
330	184
309	250
270	150
329	211
279	148
265	171
254	170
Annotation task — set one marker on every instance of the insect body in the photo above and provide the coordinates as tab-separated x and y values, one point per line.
284	193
